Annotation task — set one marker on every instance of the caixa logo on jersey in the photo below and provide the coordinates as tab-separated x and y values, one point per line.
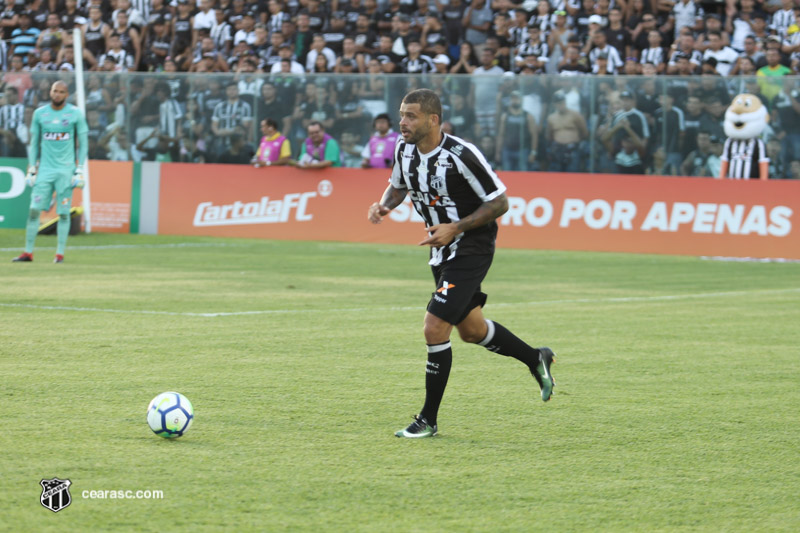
266	210
55	494
56	136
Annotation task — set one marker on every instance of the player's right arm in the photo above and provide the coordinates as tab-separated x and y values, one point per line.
33	150
392	197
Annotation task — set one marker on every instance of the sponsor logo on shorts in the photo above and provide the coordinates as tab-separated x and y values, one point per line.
443	289
439	299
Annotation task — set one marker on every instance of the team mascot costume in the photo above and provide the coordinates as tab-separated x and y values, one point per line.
744	155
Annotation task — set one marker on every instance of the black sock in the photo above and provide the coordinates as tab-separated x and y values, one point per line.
440	358
500	340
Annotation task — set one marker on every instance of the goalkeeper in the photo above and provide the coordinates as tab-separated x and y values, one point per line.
56	129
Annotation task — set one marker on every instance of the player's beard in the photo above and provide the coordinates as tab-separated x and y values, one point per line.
57	103
416	136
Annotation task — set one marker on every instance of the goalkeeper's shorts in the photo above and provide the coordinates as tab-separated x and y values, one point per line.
46	184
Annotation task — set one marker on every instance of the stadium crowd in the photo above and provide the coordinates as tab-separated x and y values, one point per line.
629	86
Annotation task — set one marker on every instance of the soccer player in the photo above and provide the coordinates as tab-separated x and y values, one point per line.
459	196
52	165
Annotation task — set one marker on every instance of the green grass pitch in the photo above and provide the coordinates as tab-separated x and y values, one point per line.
676	408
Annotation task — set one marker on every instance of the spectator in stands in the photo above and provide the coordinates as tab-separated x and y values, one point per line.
182	29
602	50
517	136
13	131
274	148
163	151
116	58
768	75
319	150
379	150
695	163
483	91
684	46
534	54
318	48
477	20
461	118
238	152
416	62
129	37
98	99
467	60
228	116
566	132
746	63
713	23
685	13
157	46
725	56
53	36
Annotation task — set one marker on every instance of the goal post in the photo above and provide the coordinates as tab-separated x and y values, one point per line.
80	96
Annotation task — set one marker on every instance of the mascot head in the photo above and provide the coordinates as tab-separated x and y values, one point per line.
746	117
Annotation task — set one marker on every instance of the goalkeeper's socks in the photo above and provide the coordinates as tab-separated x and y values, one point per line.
31	230
62	229
499	340
440	358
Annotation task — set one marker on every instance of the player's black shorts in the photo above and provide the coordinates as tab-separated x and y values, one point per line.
458	287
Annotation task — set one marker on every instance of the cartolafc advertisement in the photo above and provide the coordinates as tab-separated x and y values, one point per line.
668	215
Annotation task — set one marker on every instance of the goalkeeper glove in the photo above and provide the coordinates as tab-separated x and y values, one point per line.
77	178
30	177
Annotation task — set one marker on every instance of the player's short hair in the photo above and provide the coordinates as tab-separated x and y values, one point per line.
271	122
429	102
316	123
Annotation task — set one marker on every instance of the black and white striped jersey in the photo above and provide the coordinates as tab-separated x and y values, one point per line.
743	157
446	185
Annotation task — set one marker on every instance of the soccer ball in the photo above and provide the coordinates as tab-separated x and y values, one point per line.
170	414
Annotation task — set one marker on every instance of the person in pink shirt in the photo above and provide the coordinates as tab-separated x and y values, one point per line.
274	148
379	151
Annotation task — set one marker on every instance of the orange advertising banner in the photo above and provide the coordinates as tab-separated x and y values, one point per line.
110	183
643	214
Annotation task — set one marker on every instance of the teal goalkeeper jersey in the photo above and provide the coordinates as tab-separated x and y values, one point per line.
53	139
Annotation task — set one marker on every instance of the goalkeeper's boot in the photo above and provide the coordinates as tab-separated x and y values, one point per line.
418	429
24	258
542	372
59	258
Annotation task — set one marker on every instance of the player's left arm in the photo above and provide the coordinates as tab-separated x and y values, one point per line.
78	179
443	234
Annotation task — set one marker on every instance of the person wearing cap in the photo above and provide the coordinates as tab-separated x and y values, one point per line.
517	136
442	63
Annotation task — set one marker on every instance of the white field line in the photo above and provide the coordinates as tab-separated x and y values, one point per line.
628	299
132	246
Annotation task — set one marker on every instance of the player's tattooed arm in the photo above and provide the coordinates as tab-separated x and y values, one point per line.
392	197
487	212
443	234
